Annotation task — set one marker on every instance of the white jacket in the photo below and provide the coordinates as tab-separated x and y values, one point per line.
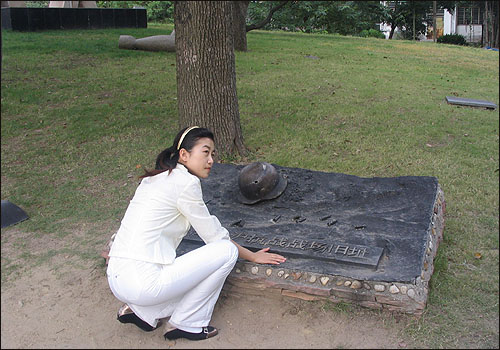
159	216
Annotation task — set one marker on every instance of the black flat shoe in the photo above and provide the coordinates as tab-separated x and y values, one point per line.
207	332
126	315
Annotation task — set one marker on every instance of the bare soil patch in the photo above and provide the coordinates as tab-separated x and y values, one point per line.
64	303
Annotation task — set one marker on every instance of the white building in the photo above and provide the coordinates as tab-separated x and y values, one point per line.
466	21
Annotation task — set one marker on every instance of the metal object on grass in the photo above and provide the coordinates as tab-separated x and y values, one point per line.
12	214
470	102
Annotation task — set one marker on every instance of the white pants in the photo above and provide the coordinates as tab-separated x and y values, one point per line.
186	290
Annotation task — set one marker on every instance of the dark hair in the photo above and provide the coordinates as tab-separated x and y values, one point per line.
169	157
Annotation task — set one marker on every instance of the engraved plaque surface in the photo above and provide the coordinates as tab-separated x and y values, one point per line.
346	253
363	228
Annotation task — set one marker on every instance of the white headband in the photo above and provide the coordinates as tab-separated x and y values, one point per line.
184	135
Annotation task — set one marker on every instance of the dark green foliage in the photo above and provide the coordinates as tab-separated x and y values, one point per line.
403	13
160	11
455	39
37	4
157	11
116	4
341	17
372	33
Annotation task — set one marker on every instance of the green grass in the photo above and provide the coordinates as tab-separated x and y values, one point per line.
81	119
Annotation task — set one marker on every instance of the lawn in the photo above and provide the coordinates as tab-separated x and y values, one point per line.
80	119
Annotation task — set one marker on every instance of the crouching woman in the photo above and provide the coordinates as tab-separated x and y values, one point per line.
143	269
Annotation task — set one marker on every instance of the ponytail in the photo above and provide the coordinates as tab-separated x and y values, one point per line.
165	161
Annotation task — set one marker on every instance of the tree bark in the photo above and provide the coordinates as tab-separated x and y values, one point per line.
434	31
206	73
391	33
485	24
414	24
394	21
240	9
494	16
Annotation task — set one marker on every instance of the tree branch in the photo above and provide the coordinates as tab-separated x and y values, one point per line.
268	18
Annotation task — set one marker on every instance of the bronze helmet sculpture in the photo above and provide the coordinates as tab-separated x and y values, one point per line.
260	181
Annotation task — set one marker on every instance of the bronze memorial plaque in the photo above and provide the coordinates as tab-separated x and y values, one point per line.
326	250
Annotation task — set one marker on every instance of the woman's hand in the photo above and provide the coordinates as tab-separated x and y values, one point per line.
260	257
263	257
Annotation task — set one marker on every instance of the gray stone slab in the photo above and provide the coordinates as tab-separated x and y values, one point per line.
470	102
369	241
323	221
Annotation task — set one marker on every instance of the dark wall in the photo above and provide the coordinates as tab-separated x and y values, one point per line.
33	19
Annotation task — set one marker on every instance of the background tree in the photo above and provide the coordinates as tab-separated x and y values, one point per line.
157	11
416	14
341	17
494	22
273	7
240	10
394	15
490	22
353	17
297	16
206	74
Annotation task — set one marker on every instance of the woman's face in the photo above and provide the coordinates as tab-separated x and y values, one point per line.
199	160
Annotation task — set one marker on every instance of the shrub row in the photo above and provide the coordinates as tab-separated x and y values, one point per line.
372	33
455	39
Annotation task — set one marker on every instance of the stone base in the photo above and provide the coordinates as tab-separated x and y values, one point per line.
369	241
411	298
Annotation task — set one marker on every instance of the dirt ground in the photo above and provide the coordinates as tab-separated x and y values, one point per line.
61	305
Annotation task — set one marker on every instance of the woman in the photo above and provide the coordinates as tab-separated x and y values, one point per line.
143	270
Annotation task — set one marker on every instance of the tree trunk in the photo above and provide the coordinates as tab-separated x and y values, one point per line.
414	25
206	74
240	9
393	21
485	24
391	33
434	29
494	16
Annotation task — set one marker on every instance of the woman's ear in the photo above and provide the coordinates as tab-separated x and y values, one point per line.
183	154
